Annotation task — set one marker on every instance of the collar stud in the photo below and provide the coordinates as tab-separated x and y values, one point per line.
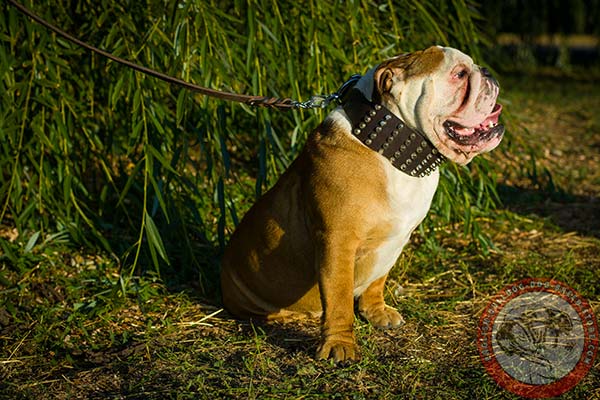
377	128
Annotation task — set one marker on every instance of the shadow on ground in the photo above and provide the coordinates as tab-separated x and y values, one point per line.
571	213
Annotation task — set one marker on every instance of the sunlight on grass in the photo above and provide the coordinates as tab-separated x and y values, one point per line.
118	191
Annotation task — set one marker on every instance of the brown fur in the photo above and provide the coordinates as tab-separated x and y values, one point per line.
407	65
311	242
324	206
422	62
314	233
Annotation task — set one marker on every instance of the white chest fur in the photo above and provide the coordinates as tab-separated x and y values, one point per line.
409	200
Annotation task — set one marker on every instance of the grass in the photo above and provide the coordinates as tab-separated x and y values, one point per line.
156	175
67	332
117	192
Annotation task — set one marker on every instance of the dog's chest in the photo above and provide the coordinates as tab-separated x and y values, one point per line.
409	200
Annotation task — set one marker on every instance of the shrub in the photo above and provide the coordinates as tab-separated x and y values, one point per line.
158	175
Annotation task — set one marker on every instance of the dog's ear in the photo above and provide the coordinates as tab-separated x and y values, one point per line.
407	65
384	79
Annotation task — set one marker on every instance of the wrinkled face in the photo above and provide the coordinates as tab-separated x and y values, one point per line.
443	94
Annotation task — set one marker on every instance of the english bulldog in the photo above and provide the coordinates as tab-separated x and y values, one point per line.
329	231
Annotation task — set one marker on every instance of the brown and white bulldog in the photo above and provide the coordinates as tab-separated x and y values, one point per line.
332	227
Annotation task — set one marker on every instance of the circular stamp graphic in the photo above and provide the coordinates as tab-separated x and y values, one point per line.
538	338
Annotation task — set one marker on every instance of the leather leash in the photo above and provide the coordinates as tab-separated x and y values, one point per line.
254	101
380	130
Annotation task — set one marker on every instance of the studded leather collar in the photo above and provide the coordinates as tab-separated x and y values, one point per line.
380	130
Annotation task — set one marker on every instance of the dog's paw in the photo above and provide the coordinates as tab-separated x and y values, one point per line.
384	318
339	350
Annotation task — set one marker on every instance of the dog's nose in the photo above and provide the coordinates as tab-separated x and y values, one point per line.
486	72
488	75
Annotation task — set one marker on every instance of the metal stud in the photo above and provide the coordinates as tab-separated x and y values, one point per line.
368	141
392	159
402	147
397	154
367	119
429	156
362	125
413	135
413	172
385	145
377	107
413	156
378	129
407	142
408	162
372	113
434	151
357	131
423	144
400	125
387	117
382	123
395	132
419	149
373	135
403	167
390	139
419	167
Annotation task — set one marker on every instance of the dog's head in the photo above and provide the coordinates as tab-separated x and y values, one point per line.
443	94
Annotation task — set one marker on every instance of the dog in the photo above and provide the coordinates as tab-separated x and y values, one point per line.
331	228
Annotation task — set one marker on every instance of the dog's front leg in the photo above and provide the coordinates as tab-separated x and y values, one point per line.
372	307
335	263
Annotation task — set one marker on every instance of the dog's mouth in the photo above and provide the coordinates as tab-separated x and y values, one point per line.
488	129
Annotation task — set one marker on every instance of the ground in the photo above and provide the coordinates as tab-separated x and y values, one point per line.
66	333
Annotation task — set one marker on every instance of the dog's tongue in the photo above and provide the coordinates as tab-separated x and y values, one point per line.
492	119
489	122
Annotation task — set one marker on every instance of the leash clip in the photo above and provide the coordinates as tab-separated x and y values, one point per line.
322	101
315	101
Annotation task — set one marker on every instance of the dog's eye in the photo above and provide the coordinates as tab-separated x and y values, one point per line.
461	74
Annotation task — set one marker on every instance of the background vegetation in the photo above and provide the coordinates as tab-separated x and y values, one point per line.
538	17
101	156
118	191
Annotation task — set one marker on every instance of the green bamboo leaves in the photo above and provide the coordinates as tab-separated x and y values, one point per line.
160	176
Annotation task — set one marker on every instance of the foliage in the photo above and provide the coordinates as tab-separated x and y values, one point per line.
538	17
157	175
67	329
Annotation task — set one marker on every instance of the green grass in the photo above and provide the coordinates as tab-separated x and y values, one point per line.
158	176
160	343
66	332
117	192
